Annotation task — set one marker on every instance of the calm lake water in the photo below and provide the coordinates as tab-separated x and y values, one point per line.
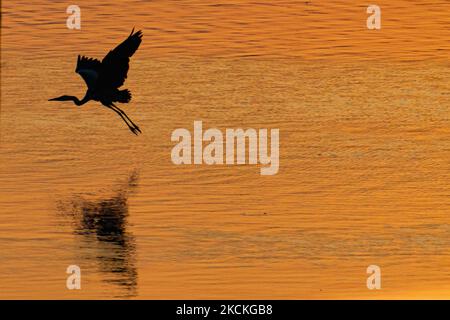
364	152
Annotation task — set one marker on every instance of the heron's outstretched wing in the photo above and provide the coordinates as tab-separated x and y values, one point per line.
88	69
115	63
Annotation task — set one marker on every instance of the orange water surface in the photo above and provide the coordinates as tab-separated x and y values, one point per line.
364	152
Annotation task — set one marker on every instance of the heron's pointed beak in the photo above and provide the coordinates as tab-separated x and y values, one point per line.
62	98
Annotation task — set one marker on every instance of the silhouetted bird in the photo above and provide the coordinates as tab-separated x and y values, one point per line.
104	78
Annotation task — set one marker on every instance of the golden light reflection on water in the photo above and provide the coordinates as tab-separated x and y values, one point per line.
364	153
239	28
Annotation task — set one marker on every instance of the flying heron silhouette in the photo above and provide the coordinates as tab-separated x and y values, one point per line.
104	78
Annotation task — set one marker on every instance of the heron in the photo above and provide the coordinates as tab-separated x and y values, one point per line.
103	79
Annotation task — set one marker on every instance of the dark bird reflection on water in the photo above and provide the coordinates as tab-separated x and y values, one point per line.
102	224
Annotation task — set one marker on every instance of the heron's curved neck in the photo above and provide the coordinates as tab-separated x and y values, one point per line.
82	101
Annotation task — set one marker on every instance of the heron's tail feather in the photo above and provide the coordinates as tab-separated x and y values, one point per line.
123	96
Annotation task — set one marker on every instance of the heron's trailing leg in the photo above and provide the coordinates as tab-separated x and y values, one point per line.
124	114
132	128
